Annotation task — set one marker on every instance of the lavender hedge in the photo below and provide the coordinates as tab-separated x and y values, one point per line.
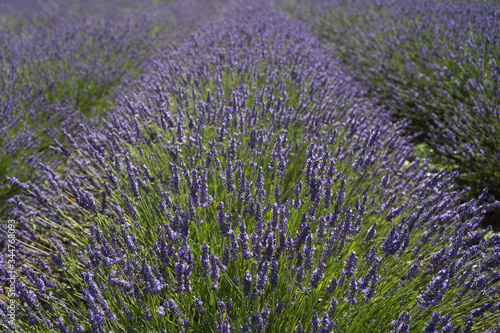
59	70
433	62
248	186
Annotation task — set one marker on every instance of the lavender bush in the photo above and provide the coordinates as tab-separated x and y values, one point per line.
61	70
434	62
248	186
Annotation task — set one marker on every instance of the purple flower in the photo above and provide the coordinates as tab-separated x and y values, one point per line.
223	220
277	196
317	275
174	178
215	268
435	290
297	201
204	198
480	311
326	324
256	245
76	325
147	314
233	246
369	283
350	266
222	307
38	282
247	283
261	278
199	306
279	307
205	259
402	325
230	177
308	253
265	319
299	328
333	307
274	274
131	208
172	306
225	326
161	311
321	231
269	245
392	242
28	296
341	192
332	286
350	293
370	233
243	241
430	327
62	326
152	283
260	192
273	224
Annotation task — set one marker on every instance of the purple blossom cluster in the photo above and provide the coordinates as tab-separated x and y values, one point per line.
248	186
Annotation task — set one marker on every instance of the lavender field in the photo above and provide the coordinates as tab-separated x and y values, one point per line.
263	166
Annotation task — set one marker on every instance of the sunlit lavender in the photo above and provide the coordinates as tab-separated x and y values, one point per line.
232	175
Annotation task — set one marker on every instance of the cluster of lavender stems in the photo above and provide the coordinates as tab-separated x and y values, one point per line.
246	184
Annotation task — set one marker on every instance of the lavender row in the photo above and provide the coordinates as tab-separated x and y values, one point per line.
69	70
433	62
